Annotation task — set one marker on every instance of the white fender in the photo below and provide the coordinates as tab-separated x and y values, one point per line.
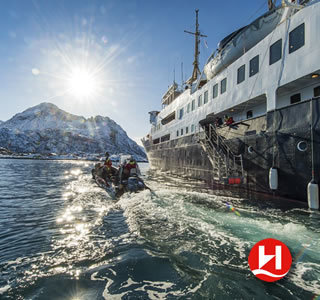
313	195
273	178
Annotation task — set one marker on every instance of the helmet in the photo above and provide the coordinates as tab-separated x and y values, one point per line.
107	154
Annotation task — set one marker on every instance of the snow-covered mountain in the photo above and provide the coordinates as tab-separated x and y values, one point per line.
45	128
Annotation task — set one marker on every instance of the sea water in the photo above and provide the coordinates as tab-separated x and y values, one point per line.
62	237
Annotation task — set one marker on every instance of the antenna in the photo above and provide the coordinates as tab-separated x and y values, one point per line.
182	83
197	34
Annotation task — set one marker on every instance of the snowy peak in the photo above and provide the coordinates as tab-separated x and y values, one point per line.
42	116
47	128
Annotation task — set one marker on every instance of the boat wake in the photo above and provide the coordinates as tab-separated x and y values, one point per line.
174	241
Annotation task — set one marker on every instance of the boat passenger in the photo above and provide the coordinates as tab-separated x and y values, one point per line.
108	162
129	168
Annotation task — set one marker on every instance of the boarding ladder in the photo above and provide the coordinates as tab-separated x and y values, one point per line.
226	165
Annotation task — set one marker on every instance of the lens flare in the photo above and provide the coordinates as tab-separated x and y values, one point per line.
231	208
82	83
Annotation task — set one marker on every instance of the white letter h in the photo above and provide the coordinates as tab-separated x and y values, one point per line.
263	259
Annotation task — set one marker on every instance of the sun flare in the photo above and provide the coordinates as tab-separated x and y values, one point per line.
82	83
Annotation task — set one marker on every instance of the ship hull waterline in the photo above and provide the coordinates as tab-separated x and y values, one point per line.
282	139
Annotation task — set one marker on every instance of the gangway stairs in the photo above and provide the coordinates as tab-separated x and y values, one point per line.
227	167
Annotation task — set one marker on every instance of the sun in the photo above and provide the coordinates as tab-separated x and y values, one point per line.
82	83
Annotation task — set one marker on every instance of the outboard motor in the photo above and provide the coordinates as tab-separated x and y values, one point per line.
134	184
133	172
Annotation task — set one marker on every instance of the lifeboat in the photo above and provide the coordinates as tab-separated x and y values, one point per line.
239	42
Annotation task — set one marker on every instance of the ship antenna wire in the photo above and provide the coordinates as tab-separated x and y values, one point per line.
311	128
182	83
288	19
258	75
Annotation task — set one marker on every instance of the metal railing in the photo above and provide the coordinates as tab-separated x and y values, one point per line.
225	163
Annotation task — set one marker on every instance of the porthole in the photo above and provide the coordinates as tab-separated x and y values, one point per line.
250	149
302	146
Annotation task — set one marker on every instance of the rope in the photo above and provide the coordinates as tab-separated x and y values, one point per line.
311	128
280	75
256	12
258	75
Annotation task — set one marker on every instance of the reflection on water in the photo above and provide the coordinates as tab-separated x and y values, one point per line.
62	237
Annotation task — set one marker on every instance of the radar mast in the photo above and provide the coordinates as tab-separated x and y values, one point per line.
197	34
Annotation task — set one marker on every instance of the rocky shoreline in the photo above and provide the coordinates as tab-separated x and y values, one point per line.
7	154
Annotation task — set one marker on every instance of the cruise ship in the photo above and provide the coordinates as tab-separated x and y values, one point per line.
264	80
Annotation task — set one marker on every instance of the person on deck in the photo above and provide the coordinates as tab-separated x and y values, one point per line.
229	121
218	122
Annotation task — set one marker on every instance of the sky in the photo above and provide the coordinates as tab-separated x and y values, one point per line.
105	57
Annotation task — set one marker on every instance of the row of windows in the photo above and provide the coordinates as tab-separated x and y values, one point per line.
185	130
297	97
192	106
223	88
296	41
156	128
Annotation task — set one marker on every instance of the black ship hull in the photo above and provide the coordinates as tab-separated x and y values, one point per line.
281	139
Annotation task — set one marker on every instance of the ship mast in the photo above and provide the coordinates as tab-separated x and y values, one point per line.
197	34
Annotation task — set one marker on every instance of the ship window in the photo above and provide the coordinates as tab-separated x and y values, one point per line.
181	131
200	100
165	138
177	132
215	91
275	52
205	97
192	128
296	38
180	113
254	66
187	130
193	104
249	114
295	98
223	86
316	91
241	74
188	108
169	118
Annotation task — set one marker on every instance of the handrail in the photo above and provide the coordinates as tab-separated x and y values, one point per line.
219	152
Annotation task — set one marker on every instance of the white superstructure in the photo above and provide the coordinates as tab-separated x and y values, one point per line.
281	69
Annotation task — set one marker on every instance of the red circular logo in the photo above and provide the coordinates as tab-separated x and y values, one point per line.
270	260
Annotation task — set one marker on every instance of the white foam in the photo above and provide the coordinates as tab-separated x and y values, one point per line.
306	269
4	289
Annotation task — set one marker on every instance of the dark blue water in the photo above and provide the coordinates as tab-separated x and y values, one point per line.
62	237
